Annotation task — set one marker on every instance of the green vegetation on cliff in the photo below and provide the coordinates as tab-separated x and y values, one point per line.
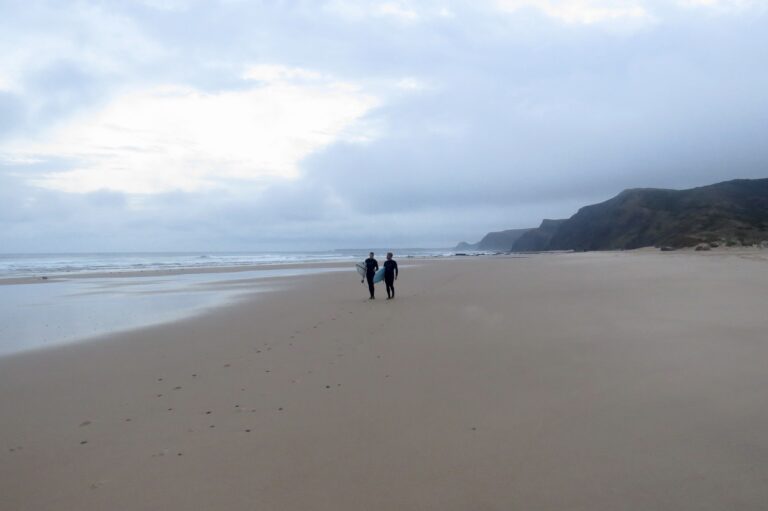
733	211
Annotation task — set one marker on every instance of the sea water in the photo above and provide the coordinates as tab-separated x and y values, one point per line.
47	313
38	265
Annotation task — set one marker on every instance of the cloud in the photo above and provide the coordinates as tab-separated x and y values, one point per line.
585	12
180	138
325	124
726	5
411	84
397	10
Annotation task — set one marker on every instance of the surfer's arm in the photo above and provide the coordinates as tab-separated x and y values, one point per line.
397	272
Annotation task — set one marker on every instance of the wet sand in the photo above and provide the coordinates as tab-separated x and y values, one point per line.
600	381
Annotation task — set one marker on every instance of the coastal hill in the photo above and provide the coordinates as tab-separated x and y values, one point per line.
535	238
734	212
500	240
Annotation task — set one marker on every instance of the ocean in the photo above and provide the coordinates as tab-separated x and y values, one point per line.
38	265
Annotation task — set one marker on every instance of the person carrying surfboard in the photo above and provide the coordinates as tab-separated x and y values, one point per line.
371	266
390	275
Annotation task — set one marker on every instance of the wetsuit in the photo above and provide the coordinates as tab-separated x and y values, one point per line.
390	272
371	265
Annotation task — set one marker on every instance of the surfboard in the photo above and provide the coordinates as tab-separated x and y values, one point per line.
377	277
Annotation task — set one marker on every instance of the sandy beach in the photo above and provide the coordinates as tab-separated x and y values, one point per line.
595	381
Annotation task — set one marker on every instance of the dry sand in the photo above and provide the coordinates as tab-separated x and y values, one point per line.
602	381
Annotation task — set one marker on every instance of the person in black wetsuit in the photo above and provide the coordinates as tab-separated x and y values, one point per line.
371	265
390	275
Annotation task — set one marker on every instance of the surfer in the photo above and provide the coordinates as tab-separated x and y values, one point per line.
371	266
390	275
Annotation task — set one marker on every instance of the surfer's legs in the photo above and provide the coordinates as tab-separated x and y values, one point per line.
369	278
390	286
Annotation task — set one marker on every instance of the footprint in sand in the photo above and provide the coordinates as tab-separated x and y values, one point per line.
128	420
177	388
194	376
85	423
83	442
208	412
227	365
159	379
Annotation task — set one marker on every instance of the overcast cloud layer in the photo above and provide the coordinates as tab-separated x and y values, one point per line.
239	125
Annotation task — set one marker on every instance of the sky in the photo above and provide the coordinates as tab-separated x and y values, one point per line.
226	125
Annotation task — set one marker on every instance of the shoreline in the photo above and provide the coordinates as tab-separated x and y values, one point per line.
160	272
69	311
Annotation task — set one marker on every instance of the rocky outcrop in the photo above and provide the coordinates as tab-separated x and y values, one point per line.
494	241
733	212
